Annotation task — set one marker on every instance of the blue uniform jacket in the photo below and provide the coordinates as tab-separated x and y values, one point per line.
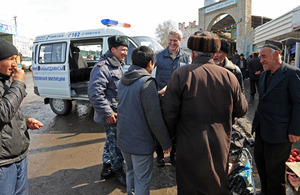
103	87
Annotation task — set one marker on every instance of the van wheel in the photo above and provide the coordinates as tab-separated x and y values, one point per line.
60	106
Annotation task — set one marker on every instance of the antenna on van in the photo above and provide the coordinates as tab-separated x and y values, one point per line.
109	22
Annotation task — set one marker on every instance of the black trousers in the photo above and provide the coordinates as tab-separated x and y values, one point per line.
270	161
253	86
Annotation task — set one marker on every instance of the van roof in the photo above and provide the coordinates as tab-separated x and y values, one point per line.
109	31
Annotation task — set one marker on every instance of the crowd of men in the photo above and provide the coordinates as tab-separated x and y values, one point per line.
187	110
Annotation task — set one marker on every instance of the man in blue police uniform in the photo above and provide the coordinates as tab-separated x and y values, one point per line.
167	61
102	91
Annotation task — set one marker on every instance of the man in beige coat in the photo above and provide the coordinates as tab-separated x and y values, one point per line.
199	106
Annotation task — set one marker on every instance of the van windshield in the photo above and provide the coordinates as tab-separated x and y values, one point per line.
148	41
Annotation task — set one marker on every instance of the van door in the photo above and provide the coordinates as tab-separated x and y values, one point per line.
51	70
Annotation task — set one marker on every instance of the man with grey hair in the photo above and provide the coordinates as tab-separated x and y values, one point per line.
276	123
198	107
167	61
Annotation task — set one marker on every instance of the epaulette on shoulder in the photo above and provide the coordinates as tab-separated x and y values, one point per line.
101	63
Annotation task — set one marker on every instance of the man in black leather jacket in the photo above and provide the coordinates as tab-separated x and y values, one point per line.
14	137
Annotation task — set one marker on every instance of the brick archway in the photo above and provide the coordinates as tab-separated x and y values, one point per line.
237	9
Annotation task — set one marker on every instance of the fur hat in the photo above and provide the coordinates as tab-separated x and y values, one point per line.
7	49
115	41
276	45
204	41
255	53
224	46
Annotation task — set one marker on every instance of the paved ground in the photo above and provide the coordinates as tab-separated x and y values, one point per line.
65	155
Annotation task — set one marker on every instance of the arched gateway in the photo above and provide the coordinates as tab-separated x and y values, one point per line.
239	10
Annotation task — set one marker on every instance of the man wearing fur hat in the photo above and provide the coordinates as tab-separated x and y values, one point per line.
14	137
220	58
276	123
102	92
200	102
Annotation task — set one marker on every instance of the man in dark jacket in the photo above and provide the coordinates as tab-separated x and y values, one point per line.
255	69
276	123
242	64
139	120
102	92
236	57
220	58
166	62
14	137
200	102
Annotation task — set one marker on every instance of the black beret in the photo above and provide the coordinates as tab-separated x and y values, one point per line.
115	41
204	41
7	49
276	45
224	46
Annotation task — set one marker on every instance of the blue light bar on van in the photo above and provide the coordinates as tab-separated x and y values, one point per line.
110	22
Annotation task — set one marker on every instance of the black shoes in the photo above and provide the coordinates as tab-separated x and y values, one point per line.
160	162
121	176
106	171
173	158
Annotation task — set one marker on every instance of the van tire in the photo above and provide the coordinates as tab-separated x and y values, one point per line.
60	106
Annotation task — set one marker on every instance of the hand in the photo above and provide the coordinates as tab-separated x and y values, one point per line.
257	73
293	138
167	151
163	91
33	123
112	119
18	74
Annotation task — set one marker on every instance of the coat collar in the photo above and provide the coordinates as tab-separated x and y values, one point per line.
203	60
112	60
277	78
167	53
4	77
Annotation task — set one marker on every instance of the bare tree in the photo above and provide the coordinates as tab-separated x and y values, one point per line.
163	30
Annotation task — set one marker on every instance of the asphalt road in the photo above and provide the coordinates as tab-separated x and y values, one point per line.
65	155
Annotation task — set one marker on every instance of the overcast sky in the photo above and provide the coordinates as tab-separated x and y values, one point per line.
36	17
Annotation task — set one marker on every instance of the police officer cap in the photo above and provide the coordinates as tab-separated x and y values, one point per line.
276	45
204	41
7	49
115	41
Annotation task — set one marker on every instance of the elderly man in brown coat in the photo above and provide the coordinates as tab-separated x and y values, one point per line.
200	103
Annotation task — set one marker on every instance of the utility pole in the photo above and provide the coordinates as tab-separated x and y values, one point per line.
15	18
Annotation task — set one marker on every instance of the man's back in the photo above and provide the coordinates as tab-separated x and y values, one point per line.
199	105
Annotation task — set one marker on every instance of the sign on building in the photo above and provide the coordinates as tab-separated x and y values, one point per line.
4	28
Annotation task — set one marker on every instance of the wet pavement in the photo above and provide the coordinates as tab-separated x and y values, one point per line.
65	155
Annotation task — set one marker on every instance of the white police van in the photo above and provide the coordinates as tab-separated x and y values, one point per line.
62	62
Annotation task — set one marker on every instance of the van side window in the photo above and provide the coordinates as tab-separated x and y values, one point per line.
128	60
89	49
52	53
